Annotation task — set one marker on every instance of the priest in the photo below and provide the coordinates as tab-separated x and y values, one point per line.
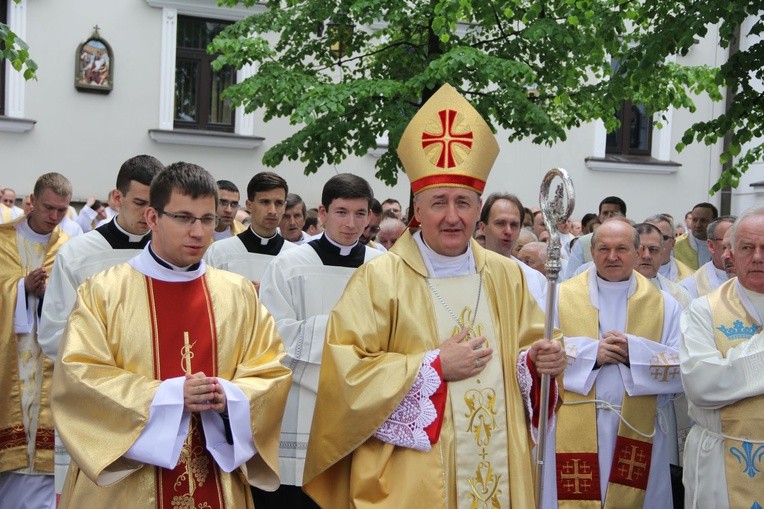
114	242
721	354
433	353
300	288
123	237
28	247
249	252
622	339
168	389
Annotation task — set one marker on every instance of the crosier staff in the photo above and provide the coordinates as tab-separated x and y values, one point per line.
555	209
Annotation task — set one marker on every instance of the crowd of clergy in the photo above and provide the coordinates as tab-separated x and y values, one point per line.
189	344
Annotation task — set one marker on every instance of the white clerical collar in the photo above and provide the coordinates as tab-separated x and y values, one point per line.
693	240
263	240
130	237
752	301
604	284
26	231
597	284
344	250
222	235
721	274
665	269
145	263
439	265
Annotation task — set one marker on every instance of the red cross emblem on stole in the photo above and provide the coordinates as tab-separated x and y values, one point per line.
631	462
447	139
578	476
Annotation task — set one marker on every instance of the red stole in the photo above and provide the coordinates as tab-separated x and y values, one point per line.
180	310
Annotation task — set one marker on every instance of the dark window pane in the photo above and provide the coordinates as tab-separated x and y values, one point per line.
633	136
220	111
185	90
639	128
196	33
613	142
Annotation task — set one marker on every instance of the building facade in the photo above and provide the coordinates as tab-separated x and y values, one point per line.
49	125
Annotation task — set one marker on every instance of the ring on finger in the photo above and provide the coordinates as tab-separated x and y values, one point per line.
478	362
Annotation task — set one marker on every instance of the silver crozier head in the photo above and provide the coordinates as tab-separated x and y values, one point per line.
556	208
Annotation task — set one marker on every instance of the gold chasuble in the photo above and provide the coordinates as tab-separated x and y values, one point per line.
702	281
578	475
237	227
127	333
683	270
743	421
684	252
377	335
6	214
14	437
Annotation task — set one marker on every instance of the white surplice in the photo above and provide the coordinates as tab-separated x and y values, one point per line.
712	382
299	291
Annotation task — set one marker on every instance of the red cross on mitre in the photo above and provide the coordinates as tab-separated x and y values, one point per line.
578	476
631	462
447	148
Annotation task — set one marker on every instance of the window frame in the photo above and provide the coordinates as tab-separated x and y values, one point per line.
14	85
624	147
243	136
203	84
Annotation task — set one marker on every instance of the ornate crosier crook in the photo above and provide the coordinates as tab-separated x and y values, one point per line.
555	210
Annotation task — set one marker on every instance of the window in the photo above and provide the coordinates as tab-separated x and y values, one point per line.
635	147
634	135
186	131
198	89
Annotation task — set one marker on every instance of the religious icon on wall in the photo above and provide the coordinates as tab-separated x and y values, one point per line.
94	65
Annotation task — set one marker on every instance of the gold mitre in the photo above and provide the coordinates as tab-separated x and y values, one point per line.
447	143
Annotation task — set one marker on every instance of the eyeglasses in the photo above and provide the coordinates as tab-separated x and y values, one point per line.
228	203
373	229
209	221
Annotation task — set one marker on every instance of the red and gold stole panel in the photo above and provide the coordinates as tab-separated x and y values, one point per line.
184	341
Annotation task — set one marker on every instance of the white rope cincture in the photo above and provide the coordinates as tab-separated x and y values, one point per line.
704	444
605	405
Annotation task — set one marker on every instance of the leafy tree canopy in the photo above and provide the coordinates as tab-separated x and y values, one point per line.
350	71
16	51
672	28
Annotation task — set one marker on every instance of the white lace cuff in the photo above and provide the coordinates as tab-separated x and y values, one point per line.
405	426
525	381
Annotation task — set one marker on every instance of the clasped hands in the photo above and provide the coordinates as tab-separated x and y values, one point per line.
35	282
202	393
462	358
613	349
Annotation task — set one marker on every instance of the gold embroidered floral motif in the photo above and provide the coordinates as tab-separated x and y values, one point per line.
197	464
485	487
467	319
481	413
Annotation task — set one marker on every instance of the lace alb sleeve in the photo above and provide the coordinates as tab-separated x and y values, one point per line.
405	426
525	381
